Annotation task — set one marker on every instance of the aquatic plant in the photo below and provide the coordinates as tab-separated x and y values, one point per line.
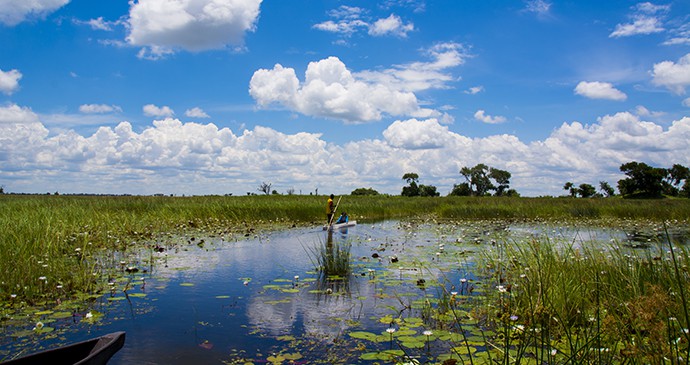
579	303
331	259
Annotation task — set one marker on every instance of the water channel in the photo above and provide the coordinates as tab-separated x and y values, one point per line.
259	299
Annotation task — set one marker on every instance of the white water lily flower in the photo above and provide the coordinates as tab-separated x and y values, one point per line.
88	315
428	333
390	330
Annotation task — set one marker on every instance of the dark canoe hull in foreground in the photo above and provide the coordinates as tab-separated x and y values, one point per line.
96	351
340	225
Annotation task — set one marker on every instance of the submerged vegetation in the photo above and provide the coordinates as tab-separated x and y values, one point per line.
533	301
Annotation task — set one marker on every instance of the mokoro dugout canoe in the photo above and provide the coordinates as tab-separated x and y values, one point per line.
96	351
335	226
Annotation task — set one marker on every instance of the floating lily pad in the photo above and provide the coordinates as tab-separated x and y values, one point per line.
187	284
387	355
362	335
61	315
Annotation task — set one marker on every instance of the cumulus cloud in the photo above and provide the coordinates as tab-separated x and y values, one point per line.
9	81
172	156
674	76
163	26
14	114
686	102
331	90
348	20
15	12
196	112
99	108
646	19
392	25
416	134
481	116
599	90
151	110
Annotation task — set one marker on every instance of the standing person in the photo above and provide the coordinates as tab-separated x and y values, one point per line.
329	209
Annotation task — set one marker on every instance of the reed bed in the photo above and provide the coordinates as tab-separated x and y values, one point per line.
578	304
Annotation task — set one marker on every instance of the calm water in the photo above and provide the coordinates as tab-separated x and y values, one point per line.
250	299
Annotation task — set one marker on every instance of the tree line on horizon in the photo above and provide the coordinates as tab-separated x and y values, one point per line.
642	181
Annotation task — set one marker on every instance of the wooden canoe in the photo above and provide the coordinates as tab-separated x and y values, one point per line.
335	226
96	351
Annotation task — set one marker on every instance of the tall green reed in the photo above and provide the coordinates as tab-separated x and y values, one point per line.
583	303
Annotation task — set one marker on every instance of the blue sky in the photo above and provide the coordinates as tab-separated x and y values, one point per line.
217	96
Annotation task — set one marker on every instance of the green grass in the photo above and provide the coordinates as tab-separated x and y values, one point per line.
51	241
588	305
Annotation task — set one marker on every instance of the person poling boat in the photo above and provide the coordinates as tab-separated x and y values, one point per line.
330	209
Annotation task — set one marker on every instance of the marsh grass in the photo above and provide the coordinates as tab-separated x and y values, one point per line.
51	247
568	303
332	260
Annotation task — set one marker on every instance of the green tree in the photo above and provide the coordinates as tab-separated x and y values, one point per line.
412	189
642	181
586	190
502	179
428	190
606	189
462	189
364	191
572	189
676	180
478	179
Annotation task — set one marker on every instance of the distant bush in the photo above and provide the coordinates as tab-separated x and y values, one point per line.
364	191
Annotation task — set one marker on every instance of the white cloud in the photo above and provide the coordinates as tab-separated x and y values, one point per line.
162	26
171	156
392	25
686	102
474	90
674	76
419	76
330	90
196	112
100	24
599	90
416	134
13	12
681	36
642	25
540	7
348	20
99	108
151	110
481	116
14	114
645	20
9	81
